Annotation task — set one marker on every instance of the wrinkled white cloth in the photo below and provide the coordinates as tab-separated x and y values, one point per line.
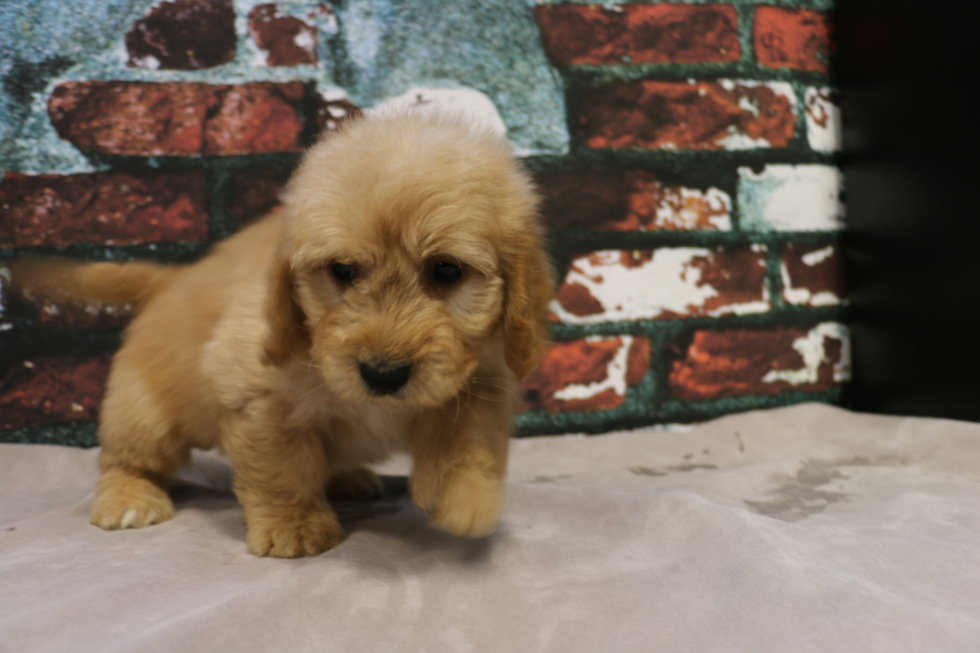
800	529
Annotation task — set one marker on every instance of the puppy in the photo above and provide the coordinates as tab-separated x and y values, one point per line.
392	304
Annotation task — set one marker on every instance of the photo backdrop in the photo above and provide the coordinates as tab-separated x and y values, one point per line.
685	152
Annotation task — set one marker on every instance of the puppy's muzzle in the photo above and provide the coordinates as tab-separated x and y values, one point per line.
385	379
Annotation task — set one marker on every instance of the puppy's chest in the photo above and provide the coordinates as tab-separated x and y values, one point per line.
364	434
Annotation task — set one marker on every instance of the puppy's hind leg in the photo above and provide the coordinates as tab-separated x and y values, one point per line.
140	454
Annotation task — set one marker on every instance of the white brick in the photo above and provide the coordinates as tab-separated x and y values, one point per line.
823	122
790	198
687	208
666	283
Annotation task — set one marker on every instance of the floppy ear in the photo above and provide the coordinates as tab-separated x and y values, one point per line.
287	338
529	288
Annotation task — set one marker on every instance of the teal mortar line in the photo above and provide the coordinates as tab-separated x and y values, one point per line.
637	413
691	168
595	74
221	224
71	434
746	22
774	277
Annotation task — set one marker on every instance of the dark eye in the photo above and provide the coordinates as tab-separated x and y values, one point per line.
343	272
446	272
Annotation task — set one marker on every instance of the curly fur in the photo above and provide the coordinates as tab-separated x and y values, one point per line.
257	348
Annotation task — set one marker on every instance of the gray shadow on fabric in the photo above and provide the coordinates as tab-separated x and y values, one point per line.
214	503
418	548
392	516
183	493
684	467
187	494
799	497
393	490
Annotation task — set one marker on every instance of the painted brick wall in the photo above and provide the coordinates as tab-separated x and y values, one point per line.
686	154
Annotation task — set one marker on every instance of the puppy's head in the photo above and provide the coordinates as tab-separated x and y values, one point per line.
411	254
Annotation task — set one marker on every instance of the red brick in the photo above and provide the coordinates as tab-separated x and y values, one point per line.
639	33
586	374
637	361
584	199
54	389
578	300
254	118
131	117
177	118
286	40
813	275
687	115
663	284
105	208
743	362
793	38
256	192
628	201
183	35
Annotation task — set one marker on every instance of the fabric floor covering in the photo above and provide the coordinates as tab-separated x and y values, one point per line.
799	529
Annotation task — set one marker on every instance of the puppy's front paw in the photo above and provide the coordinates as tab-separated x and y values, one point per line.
130	503
359	484
291	536
469	505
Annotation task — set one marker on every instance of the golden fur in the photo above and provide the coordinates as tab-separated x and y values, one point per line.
258	347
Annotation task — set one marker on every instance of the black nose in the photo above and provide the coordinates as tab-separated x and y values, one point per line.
385	379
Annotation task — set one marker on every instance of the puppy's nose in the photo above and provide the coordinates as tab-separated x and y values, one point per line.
385	379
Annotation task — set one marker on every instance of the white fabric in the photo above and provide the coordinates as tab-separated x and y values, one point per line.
801	529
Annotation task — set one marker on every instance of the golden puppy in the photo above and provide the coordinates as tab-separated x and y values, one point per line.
392	304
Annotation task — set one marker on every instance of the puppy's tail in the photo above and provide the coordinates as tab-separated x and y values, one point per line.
85	282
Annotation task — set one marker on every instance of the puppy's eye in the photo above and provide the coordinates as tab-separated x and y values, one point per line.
343	272
446	272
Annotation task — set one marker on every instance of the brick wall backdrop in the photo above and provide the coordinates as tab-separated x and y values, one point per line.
686	152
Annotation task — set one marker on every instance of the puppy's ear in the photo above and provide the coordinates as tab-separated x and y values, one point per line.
287	338
529	288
